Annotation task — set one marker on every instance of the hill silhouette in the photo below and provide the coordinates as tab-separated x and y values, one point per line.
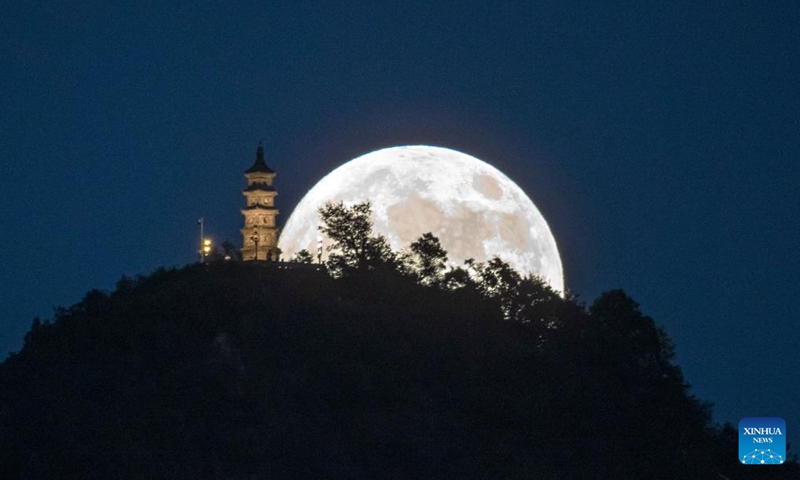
394	366
244	370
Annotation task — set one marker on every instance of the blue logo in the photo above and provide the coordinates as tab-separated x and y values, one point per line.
762	441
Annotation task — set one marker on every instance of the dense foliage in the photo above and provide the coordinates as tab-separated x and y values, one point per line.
397	368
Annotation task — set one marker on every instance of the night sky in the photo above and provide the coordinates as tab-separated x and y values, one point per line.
659	140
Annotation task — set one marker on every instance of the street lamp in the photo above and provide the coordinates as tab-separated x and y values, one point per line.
255	240
201	222
206	246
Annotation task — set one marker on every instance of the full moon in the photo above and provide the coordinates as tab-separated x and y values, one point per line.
475	210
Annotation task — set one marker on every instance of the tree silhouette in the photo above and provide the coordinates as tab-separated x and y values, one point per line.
303	256
354	246
231	251
425	259
497	281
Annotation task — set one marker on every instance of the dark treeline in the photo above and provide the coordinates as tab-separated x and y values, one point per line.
392	367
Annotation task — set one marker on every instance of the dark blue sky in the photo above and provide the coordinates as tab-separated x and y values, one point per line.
659	139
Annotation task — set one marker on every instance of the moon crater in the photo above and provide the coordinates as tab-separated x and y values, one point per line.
487	186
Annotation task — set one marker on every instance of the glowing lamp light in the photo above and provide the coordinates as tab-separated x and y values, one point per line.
206	246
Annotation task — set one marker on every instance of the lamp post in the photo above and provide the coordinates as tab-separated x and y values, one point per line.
201	222
255	240
319	250
206	246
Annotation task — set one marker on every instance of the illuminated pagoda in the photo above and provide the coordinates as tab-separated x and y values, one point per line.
260	232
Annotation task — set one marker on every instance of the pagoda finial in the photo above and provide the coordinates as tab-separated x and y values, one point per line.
260	165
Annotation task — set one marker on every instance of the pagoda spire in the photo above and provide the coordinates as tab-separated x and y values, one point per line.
260	165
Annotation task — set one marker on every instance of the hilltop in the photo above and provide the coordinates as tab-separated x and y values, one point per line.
243	370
